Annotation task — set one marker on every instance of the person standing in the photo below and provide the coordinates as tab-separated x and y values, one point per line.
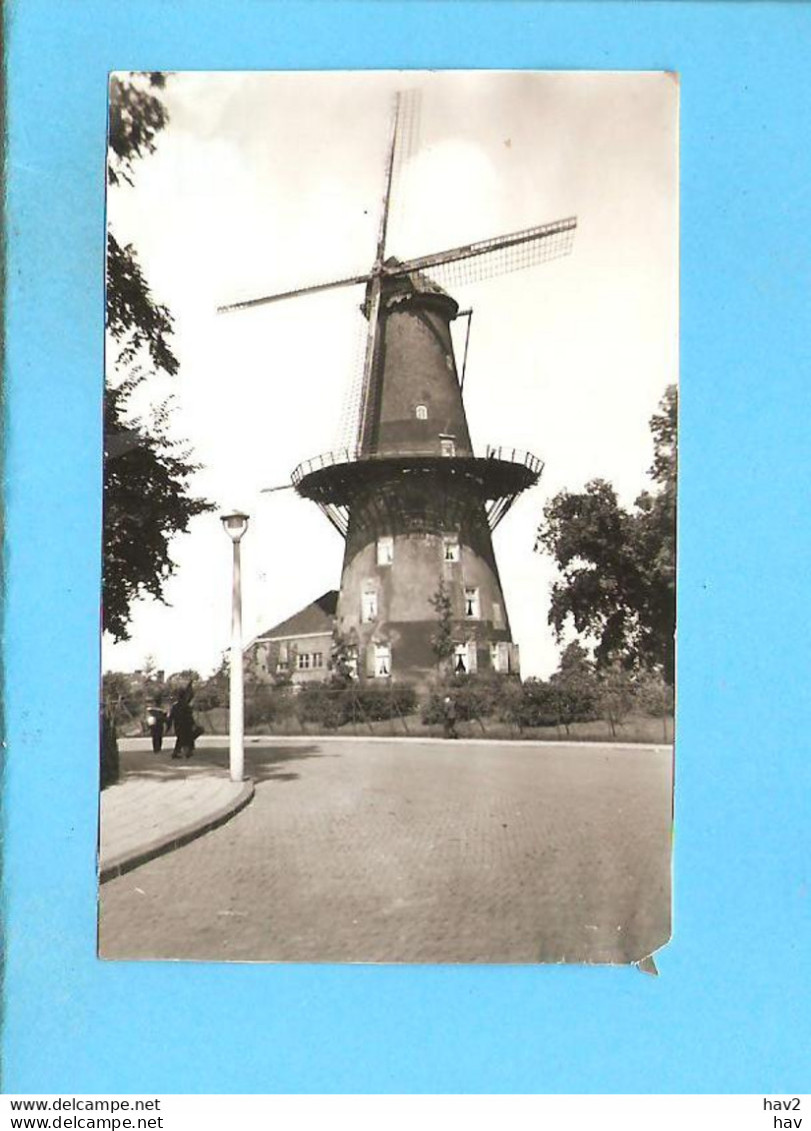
181	717
449	717
156	722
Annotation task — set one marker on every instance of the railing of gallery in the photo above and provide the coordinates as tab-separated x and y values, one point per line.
340	456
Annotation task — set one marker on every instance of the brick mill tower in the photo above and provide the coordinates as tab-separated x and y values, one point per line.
414	502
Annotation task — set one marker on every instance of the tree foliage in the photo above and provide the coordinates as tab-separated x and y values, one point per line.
137	324
617	695
442	643
343	661
574	686
146	472
618	566
137	114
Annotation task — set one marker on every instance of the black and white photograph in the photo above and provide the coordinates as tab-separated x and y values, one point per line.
389	535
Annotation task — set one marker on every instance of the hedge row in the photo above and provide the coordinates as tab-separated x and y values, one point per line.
567	698
330	706
533	703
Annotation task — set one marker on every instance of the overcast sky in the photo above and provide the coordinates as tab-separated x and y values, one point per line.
262	182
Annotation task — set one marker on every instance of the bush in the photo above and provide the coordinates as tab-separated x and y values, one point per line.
432	709
376	703
331	705
616	696
475	697
577	696
539	705
653	696
212	693
322	704
508	707
261	707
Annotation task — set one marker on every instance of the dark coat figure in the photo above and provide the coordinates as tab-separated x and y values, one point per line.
449	717
156	722
181	717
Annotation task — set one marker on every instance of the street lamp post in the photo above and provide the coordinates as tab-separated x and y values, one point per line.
235	524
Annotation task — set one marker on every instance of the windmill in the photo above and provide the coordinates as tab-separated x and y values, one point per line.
414	503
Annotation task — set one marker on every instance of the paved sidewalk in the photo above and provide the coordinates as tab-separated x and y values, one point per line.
160	804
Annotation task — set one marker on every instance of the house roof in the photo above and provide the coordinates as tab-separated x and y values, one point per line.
318	616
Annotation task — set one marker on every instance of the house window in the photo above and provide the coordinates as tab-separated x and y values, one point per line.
382	661
460	659
303	661
500	656
450	548
369	605
318	659
421	412
385	551
447	447
472	603
282	660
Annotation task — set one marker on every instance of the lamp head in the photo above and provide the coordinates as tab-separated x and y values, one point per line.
235	524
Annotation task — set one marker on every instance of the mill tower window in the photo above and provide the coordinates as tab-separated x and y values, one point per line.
450	548
382	661
369	605
385	551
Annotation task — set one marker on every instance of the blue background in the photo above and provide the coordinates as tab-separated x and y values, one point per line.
730	1011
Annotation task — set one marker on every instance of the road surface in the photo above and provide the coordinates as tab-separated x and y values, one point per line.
415	851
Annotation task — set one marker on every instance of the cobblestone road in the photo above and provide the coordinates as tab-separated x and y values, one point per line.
416	852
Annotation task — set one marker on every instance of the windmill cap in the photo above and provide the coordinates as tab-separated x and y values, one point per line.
398	287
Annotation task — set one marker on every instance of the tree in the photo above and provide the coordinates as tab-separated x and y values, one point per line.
442	638
213	691
137	114
575	685
184	678
343	661
618	567
616	695
146	472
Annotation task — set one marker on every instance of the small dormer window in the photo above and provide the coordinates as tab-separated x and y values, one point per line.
421	412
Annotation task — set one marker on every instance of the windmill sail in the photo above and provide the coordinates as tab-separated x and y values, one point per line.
500	255
368	390
246	304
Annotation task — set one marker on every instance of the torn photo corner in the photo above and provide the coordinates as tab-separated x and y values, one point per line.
390	487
